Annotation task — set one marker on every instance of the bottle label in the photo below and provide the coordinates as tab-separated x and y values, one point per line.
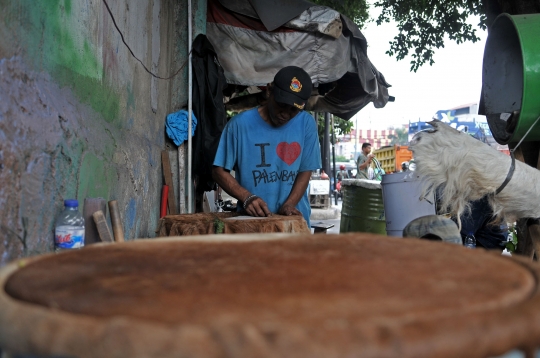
69	237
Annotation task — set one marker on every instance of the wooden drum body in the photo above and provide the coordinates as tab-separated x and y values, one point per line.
273	295
230	223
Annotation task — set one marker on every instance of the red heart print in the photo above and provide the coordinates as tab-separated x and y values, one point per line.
288	152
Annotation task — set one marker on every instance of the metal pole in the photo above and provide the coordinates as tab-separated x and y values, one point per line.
190	109
316	116
356	140
182	178
326	142
334	159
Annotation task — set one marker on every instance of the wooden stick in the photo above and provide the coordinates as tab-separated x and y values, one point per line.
116	221
167	174
530	240
102	227
164	196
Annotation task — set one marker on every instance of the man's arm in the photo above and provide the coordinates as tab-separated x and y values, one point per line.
299	188
366	163
225	180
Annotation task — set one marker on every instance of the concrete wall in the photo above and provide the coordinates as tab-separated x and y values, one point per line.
79	115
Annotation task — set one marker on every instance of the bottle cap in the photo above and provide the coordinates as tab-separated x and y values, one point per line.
71	203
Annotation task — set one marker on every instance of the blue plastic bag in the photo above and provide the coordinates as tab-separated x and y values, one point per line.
176	126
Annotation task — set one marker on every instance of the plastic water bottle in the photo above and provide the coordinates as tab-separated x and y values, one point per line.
469	241
69	228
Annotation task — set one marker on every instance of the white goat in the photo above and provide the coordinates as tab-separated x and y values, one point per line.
466	169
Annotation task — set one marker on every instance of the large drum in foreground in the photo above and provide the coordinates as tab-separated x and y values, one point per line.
354	295
362	209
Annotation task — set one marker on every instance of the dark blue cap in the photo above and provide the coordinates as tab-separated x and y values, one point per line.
71	203
292	85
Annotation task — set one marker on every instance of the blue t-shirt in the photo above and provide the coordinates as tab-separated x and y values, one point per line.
267	159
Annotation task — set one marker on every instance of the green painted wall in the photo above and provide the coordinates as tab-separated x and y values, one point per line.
54	42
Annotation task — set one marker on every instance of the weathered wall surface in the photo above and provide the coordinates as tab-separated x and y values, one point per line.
79	116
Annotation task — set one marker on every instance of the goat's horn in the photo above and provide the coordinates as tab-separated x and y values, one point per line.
435	123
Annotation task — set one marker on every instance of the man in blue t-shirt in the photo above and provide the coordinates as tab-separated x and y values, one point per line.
272	149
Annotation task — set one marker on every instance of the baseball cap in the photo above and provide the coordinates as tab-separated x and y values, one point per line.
292	85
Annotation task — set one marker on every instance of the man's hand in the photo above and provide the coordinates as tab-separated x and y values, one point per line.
289	209
299	188
257	207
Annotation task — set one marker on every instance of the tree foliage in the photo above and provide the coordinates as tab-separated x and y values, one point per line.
423	25
401	137
356	10
341	126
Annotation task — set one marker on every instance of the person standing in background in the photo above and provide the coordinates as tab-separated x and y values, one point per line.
342	174
364	162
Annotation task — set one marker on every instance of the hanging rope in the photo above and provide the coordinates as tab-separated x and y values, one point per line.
526	133
513	163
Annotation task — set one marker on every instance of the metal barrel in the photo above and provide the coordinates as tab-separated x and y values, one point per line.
363	208
403	201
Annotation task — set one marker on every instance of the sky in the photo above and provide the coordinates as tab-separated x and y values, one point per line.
454	79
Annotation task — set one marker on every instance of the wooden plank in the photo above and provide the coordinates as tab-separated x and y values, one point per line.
529	242
91	205
518	154
167	174
102	227
534	234
525	246
116	221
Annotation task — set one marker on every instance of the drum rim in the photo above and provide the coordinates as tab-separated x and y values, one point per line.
103	334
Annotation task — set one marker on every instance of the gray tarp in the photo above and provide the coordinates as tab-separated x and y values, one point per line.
326	44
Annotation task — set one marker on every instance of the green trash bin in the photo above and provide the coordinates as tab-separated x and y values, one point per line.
362	209
511	77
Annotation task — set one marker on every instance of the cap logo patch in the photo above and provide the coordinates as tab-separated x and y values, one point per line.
299	106
296	86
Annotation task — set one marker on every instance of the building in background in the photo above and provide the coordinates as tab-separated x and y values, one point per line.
350	145
464	118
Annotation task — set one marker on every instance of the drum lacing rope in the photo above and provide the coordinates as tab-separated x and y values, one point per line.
513	164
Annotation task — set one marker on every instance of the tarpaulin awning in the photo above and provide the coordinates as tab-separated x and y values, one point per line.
254	39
